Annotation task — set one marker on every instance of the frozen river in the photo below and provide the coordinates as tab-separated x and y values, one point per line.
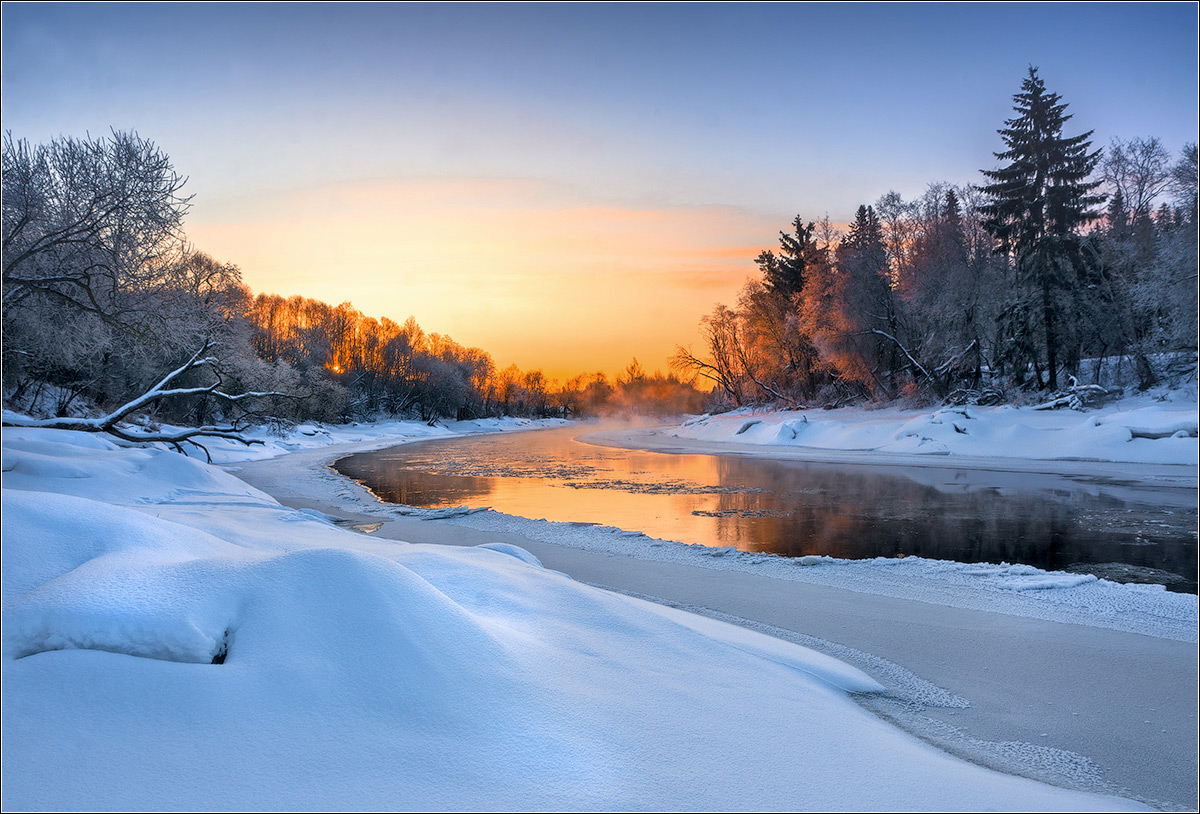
1119	530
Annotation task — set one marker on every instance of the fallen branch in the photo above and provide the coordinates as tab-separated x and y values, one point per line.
983	397
1077	397
109	423
1180	428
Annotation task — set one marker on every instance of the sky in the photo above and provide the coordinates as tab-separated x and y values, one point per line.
568	186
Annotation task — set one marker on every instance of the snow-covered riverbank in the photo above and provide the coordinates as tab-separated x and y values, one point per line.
1158	428
362	673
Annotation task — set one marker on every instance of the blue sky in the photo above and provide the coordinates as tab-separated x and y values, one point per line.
760	112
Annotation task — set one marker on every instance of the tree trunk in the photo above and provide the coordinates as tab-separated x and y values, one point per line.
1051	337
1145	373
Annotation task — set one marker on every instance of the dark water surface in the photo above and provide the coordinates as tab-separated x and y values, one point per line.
1123	531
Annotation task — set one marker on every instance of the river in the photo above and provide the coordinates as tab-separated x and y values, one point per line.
1122	531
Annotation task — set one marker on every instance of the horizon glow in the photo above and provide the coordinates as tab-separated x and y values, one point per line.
567	186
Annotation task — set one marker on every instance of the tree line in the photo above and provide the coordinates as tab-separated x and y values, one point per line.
103	293
1066	262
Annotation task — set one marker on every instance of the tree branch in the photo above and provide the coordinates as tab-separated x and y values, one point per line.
887	335
109	423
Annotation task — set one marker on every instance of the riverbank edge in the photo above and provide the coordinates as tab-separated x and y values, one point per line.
654	439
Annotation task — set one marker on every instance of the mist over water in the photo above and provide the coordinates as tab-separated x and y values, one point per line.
1120	531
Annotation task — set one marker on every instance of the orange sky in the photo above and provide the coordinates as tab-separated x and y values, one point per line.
514	267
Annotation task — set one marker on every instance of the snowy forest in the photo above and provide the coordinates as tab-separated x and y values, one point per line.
1067	267
103	294
1066	262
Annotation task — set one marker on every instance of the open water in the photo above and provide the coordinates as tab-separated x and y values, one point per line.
1117	530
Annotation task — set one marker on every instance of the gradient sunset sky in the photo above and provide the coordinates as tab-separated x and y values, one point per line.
568	186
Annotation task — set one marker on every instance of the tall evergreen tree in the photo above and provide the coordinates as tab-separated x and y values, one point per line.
783	274
1118	216
865	239
1039	201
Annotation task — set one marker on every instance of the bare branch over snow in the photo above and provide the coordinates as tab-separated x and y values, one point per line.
111	423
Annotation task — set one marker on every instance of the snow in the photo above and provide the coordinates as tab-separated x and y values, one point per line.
1116	432
315	435
360	673
1013	589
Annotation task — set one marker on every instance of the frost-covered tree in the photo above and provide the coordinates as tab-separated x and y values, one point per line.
1039	201
1184	181
93	224
1166	293
1140	293
101	292
777	353
760	352
848	310
943	295
774	345
900	221
1138	169
866	295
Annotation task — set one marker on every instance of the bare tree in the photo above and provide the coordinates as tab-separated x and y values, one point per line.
723	365
1184	180
1140	169
92	223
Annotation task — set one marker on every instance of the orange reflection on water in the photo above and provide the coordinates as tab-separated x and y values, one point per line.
790	508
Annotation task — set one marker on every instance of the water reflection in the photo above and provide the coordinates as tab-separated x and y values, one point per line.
794	508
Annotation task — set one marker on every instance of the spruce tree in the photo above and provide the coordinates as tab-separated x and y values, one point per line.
1039	202
784	274
1118	216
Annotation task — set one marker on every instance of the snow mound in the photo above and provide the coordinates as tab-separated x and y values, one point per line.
514	551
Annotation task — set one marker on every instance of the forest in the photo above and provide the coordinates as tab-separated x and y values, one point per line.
1064	263
103	294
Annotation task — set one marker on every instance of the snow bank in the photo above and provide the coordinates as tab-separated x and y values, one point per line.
1015	590
1150	429
313	435
174	639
